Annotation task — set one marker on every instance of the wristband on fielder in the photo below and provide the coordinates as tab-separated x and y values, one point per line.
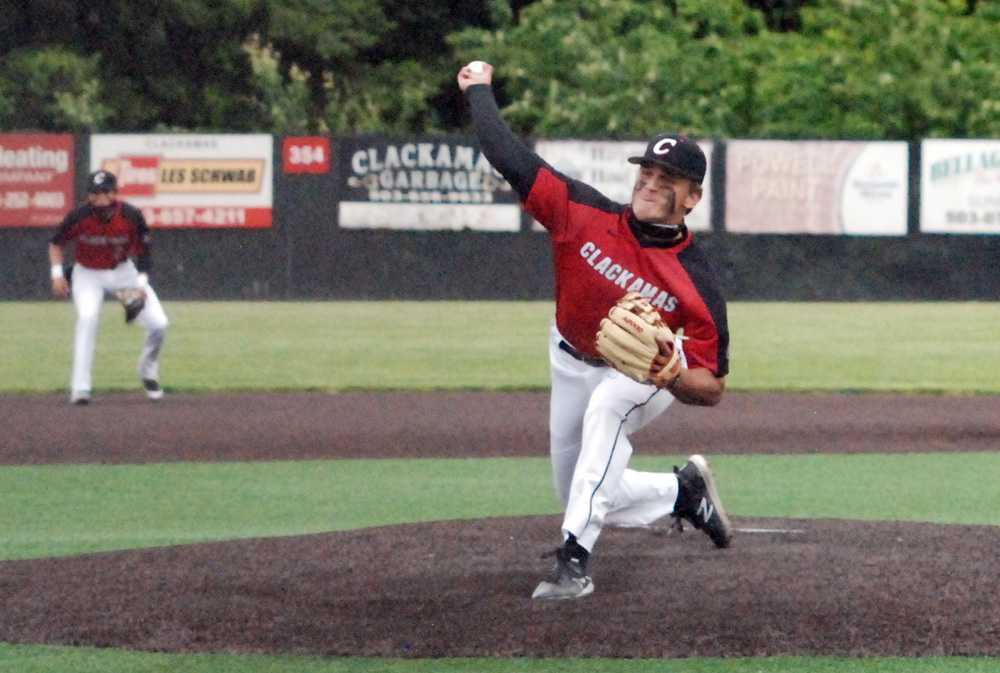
630	339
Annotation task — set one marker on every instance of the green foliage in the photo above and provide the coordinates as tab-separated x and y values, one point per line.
895	69
904	69
192	52
900	69
387	97
177	64
51	89
370	66
618	68
285	96
335	33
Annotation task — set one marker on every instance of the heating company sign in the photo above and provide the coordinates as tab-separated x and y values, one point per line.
191	180
36	178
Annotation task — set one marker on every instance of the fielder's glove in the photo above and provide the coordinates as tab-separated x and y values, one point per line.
634	340
133	299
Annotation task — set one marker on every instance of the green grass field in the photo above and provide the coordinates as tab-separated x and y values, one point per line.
497	345
64	509
60	510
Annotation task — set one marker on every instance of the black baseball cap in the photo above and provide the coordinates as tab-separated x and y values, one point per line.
676	152
101	181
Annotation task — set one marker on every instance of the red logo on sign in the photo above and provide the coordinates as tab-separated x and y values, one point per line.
137	176
305	154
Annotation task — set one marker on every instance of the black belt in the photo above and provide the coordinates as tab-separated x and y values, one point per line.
593	362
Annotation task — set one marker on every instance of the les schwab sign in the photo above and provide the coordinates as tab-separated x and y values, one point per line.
192	180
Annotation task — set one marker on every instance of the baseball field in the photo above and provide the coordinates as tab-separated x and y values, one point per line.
364	486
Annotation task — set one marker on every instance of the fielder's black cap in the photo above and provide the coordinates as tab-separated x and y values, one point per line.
102	181
676	152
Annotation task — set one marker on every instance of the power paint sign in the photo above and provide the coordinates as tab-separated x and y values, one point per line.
817	187
441	183
182	180
36	178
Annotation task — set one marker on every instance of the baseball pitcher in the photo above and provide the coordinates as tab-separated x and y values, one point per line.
640	322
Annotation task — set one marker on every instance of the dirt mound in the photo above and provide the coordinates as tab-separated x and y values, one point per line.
462	589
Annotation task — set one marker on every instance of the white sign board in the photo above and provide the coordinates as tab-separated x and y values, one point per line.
960	186
441	183
817	187
191	180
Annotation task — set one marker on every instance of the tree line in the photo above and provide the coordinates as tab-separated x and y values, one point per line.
866	69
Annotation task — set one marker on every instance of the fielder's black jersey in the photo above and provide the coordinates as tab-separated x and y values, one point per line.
106	242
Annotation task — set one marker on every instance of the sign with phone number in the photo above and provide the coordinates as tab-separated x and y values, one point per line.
38	200
36	178
223	216
960	186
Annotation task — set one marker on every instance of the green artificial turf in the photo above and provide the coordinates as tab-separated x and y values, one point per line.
68	509
58	510
219	346
915	346
44	659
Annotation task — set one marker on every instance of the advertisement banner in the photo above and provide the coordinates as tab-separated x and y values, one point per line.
960	186
442	183
604	166
189	180
37	173
305	154
816	187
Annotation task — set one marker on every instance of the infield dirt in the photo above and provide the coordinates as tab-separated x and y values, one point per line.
451	589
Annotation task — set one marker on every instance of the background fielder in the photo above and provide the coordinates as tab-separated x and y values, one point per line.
602	251
107	233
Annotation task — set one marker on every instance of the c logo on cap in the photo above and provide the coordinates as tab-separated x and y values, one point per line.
659	148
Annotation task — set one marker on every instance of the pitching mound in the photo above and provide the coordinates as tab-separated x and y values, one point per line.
456	589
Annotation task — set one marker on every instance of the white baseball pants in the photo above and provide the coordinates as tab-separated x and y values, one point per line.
89	287
592	412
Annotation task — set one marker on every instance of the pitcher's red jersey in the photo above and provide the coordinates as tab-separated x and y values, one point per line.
600	252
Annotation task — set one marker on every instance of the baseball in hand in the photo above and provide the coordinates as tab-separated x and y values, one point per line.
476	66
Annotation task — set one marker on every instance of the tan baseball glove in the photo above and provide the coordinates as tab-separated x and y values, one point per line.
133	299
634	340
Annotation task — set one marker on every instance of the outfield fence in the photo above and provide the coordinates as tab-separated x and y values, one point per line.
375	217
